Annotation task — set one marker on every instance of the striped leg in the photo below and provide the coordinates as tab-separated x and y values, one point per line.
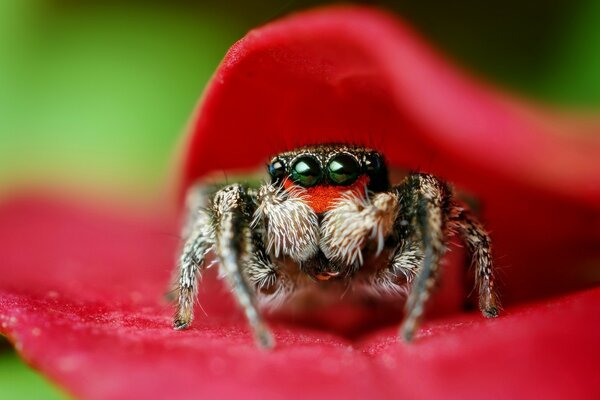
198	240
234	247
479	245
429	198
403	267
407	259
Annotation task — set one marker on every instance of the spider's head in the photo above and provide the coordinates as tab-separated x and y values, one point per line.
328	171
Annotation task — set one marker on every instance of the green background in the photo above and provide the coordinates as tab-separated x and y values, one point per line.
94	94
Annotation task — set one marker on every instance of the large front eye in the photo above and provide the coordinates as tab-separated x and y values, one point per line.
306	171
343	169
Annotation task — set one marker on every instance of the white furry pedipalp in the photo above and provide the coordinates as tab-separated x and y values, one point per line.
352	221
291	225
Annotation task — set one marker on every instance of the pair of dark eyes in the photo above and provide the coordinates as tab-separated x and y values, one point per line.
342	169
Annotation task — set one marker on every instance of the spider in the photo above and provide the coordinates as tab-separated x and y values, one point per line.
328	223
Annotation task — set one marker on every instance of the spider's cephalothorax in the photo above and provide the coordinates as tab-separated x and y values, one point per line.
328	222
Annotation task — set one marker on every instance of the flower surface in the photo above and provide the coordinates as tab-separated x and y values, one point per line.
81	294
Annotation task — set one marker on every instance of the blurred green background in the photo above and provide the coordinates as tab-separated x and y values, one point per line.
94	94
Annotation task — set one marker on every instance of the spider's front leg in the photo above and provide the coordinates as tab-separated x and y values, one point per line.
220	220
236	249
428	206
423	199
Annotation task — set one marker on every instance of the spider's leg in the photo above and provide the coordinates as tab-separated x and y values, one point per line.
403	267
479	245
407	259
235	247
424	199
198	239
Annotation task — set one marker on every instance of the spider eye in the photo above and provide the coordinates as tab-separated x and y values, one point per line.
306	171
374	166
373	163
343	169
277	169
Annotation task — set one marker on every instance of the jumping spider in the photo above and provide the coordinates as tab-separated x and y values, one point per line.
328	222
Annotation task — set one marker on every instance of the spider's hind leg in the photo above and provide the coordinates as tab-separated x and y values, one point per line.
479	245
198	239
235	247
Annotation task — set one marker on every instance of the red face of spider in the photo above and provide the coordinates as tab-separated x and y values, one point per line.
326	172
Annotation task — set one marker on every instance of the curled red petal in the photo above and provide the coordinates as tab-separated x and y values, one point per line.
359	75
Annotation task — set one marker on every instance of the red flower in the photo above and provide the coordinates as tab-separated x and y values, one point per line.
81	291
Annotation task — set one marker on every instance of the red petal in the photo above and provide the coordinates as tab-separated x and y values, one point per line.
80	292
79	298
358	75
